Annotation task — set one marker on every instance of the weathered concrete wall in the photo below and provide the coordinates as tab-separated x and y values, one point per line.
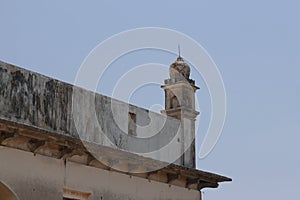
36	100
32	176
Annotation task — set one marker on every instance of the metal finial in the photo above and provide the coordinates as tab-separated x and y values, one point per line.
179	50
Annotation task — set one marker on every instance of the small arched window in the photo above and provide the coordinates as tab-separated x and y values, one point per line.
174	102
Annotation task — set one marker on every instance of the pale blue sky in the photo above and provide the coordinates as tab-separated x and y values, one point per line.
255	45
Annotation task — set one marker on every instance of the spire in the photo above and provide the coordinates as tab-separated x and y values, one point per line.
179	56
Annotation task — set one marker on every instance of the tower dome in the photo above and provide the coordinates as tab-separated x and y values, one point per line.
179	70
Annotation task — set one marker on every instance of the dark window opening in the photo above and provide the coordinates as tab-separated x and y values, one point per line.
174	102
132	124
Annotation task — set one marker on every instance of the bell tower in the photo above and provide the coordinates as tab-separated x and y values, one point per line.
180	103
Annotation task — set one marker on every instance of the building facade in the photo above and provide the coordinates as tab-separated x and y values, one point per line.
59	141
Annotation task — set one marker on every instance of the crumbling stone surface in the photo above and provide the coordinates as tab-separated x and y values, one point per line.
36	100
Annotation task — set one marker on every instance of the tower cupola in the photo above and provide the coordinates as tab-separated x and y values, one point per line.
179	70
